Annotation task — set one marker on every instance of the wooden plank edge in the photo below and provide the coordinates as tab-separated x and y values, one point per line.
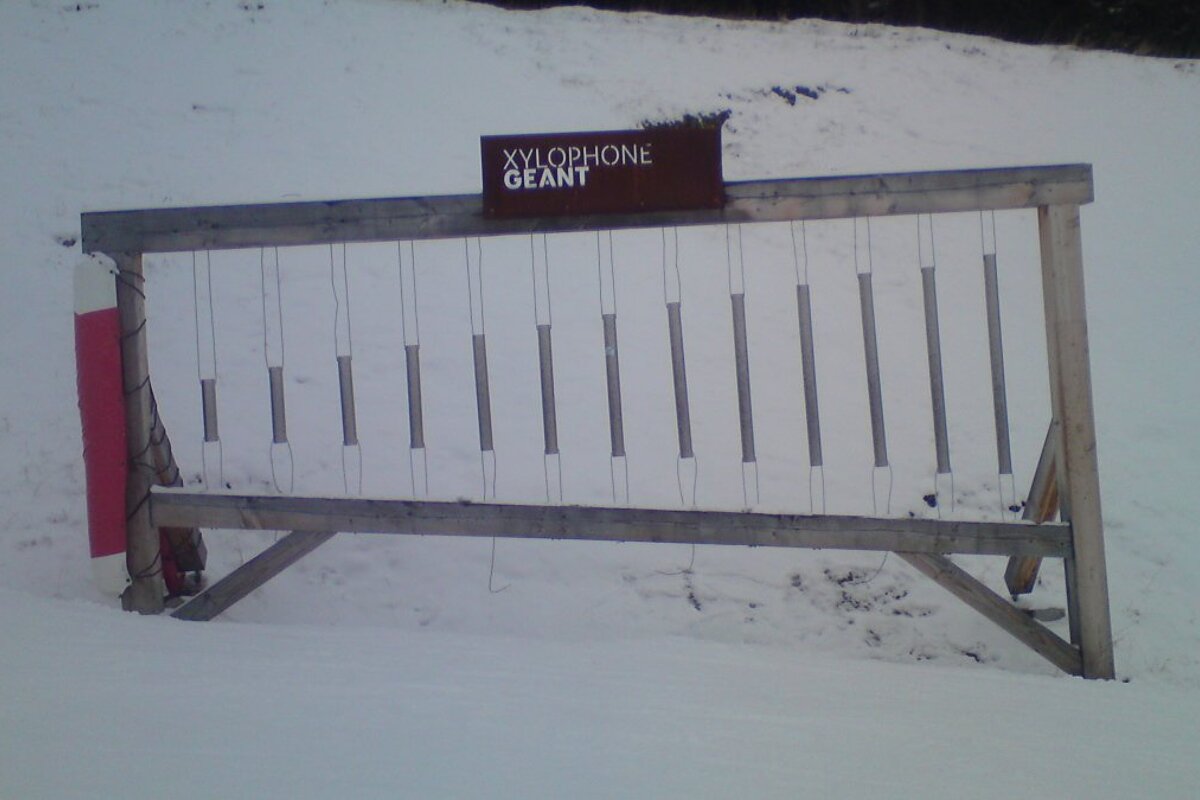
454	216
356	515
1033	634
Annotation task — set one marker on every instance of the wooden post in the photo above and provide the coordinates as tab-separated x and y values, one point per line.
146	590
1071	396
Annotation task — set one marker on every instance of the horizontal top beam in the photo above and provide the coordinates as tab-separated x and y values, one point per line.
453	216
169	508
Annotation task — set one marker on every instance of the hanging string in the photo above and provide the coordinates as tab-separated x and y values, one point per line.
682	570
872	576
207	384
546	367
412	346
682	410
618	460
882	466
279	425
937	390
199	361
874	379
679	375
801	269
1009	504
737	296
808	362
491	450
492	572
550	321
487	451
345	374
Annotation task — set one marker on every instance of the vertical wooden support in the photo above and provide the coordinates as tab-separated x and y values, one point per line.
146	590
1071	397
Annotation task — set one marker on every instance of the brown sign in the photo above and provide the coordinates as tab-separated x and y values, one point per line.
605	172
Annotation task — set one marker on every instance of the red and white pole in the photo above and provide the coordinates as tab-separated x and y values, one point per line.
102	414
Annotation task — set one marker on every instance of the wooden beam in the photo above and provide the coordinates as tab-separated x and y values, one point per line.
1041	505
455	216
251	575
354	515
142	549
958	582
1078	468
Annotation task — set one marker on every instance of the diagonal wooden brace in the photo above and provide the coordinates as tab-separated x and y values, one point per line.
1033	634
1041	506
251	575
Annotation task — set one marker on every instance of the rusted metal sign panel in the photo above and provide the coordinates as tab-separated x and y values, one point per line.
602	172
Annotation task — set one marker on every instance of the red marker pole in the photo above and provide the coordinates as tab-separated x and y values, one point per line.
102	414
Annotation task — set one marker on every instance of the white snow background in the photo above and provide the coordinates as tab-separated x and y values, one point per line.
384	666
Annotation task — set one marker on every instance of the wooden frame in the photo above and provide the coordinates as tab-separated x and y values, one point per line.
1056	191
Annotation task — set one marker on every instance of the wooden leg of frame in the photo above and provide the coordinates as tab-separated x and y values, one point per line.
1071	395
143	550
1072	597
962	585
251	575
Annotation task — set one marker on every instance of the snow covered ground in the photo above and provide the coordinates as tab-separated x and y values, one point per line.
385	667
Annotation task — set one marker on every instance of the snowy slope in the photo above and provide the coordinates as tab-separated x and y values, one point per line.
129	104
297	711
